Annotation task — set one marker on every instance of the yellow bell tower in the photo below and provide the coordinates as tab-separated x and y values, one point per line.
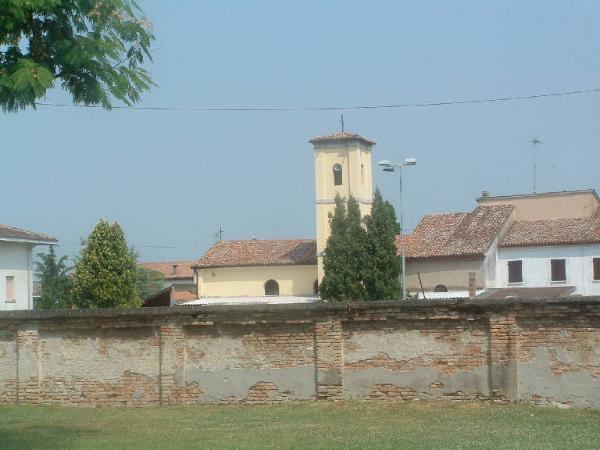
342	166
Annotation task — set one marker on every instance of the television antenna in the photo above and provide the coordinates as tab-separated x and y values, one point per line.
534	143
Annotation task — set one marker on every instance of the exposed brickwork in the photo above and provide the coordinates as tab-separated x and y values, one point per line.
542	352
329	359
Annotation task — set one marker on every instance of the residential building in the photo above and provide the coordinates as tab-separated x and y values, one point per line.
16	266
522	241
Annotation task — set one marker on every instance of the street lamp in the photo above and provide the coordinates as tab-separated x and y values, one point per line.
391	166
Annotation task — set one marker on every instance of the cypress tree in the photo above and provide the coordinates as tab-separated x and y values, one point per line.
382	271
343	262
105	272
52	273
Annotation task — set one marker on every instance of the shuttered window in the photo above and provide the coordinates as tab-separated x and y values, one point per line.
10	289
515	271
558	270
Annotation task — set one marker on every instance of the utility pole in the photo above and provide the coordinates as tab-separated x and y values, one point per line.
534	143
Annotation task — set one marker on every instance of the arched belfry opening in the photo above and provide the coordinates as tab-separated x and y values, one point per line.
337	174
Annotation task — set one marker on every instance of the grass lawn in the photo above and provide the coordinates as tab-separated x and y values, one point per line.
301	425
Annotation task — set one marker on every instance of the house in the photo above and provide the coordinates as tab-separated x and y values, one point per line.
178	274
16	266
544	240
292	267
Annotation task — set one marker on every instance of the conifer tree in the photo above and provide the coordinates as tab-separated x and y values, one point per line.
105	272
53	274
344	258
95	50
382	271
148	282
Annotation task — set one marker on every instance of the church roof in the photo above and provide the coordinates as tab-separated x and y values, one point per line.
245	253
342	136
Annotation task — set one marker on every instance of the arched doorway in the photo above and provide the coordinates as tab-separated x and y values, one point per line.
271	287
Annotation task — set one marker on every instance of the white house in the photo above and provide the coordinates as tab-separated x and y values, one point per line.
548	253
547	240
16	266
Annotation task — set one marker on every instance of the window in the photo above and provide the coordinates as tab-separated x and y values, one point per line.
10	289
362	174
440	288
558	270
515	271
271	287
596	263
337	174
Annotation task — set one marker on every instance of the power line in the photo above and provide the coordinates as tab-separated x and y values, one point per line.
331	108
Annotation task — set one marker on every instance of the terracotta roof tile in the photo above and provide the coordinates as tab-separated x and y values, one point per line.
172	269
341	137
260	253
566	231
8	232
460	234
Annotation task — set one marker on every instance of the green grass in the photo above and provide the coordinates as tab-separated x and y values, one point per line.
301	425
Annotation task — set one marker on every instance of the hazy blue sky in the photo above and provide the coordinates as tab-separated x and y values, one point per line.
171	178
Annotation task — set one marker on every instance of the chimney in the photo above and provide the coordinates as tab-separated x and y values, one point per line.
472	285
174	272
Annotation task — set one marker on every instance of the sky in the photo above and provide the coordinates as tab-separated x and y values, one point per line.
172	178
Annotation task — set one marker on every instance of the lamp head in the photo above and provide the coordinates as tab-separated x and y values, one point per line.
410	162
384	163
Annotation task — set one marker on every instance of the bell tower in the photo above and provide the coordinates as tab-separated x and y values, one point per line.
342	166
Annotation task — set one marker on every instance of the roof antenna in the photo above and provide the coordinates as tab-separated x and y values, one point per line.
534	143
342	122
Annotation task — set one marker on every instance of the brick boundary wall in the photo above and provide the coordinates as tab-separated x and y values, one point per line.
535	351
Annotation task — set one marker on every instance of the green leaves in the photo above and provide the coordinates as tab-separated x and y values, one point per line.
96	49
53	274
382	267
345	254
359	263
106	273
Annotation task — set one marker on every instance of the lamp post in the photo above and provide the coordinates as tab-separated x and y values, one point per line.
391	166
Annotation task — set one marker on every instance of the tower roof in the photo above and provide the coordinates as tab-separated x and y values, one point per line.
342	136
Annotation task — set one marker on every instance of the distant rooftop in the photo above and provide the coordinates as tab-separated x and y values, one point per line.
486	195
342	136
8	233
171	269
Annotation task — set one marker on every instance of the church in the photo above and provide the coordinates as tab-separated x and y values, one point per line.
537	244
292	267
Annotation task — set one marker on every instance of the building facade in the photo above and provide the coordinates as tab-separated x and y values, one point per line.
545	240
292	267
16	266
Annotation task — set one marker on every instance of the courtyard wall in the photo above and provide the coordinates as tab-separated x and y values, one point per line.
535	351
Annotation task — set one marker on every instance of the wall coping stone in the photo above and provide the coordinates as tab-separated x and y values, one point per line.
301	310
